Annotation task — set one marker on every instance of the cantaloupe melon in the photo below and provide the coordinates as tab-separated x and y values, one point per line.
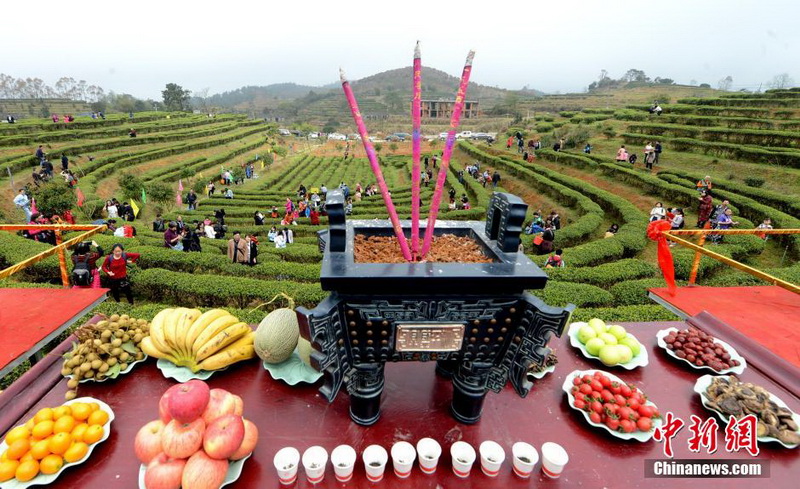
277	335
304	350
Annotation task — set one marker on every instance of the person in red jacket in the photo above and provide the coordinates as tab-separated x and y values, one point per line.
116	267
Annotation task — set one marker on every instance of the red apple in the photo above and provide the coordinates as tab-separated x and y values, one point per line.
223	437
163	406
238	405
188	401
204	472
249	442
182	440
164	473
221	403
147	443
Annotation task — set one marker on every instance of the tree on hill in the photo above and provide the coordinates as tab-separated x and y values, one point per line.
782	80
176	98
54	197
634	75
725	83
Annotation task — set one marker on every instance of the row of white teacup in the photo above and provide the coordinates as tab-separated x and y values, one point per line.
375	457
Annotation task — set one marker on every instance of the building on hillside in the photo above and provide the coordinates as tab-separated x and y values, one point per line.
443	109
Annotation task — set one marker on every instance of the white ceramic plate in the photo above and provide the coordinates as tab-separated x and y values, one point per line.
702	384
182	374
540	374
234	472
640	360
636	435
122	372
45	479
728	348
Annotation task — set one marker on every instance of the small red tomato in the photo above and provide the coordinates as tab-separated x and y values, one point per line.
580	396
646	411
606	395
576	381
615	388
634	403
595	417
597	386
611	408
586	379
579	404
635	415
621	400
625	390
586	389
627	426
644	424
596	395
624	412
612	423
597	407
605	381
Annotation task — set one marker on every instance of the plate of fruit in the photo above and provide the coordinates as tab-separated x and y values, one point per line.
728	396
190	344
201	439
609	403
701	350
66	436
539	370
611	345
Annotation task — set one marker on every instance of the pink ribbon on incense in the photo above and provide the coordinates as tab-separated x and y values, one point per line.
376	169
416	108
448	151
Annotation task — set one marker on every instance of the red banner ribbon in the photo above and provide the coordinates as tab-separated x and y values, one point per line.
655	231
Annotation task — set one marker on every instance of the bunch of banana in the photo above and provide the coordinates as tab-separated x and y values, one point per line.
200	341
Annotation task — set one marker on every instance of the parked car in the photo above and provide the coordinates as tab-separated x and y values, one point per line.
482	136
284	132
464	135
337	137
442	136
313	135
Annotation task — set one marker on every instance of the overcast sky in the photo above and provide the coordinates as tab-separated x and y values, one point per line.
138	46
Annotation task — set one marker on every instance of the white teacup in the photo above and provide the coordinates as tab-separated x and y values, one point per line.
492	457
343	459
525	457
375	458
463	456
286	462
554	458
403	456
314	461
428	451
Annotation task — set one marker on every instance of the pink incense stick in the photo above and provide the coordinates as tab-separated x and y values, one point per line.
448	151
376	169
416	107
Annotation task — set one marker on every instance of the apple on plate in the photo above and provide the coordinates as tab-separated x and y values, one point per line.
182	440
147	443
188	400
204	472
164	473
608	338
163	406
598	325
633	344
220	403
586	333
249	441
618	331
223	437
610	355
239	405
594	345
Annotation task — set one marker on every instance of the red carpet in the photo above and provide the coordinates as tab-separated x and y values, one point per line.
769	315
31	317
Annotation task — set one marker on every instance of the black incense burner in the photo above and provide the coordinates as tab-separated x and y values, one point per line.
475	320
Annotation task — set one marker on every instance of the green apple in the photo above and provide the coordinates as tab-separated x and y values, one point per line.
610	355
625	353
618	331
633	344
594	345
608	338
586	333
598	325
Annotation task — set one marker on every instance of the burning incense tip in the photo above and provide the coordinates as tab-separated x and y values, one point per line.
341	75
469	58
416	51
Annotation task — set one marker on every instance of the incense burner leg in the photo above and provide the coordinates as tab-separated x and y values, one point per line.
446	368
365	387
470	384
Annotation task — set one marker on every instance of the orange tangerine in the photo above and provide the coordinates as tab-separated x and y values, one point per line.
59	443
93	434
27	470
17	433
44	414
43	429
62	411
30	424
8	469
81	411
94	406
64	424
26	457
17	449
98	417
51	464
76	452
40	449
78	432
